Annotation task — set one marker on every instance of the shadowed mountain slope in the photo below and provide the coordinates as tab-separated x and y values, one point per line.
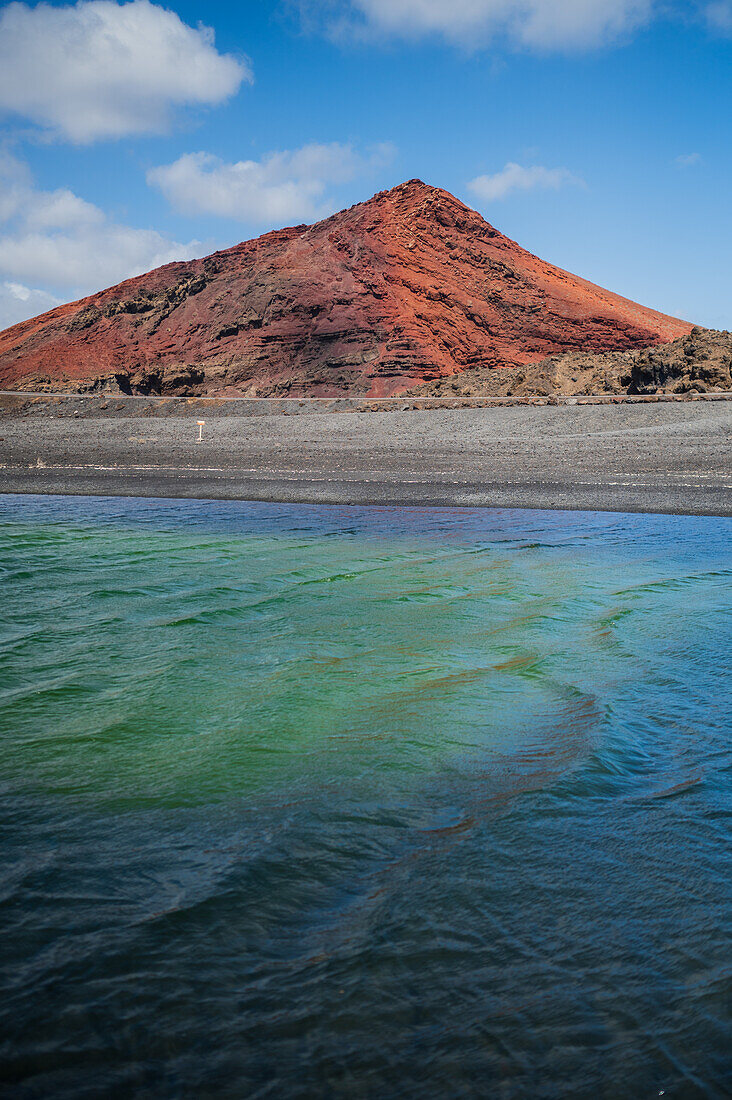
409	287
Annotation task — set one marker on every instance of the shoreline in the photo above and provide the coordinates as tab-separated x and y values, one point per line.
526	499
657	457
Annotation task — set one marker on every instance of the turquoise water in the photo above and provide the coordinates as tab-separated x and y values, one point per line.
363	802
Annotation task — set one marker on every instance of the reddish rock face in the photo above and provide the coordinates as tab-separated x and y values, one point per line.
408	287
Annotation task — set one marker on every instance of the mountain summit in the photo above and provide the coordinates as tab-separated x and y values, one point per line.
409	287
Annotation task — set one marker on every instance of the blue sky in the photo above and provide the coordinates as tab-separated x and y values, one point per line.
595	132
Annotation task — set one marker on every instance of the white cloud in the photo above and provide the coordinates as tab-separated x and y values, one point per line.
280	188
687	160
719	16
99	69
535	24
67	245
90	258
18	303
514	177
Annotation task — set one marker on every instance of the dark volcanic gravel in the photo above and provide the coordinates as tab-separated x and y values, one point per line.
654	457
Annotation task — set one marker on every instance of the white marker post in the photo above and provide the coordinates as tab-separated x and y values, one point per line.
200	430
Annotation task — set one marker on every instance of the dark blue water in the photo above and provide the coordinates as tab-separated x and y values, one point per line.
352	802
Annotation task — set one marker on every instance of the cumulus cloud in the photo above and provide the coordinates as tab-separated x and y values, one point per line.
534	24
67	245
18	303
99	69
282	187
514	177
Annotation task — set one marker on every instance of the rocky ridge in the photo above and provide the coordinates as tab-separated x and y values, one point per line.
700	362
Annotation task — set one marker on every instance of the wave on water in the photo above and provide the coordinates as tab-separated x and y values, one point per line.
402	802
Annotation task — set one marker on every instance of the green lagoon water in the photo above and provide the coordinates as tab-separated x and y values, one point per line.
363	802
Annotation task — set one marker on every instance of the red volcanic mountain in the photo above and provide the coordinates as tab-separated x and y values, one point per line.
408	287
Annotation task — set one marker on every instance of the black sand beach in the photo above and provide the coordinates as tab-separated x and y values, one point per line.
634	457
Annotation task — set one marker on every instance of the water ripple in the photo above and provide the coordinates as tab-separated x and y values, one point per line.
305	801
